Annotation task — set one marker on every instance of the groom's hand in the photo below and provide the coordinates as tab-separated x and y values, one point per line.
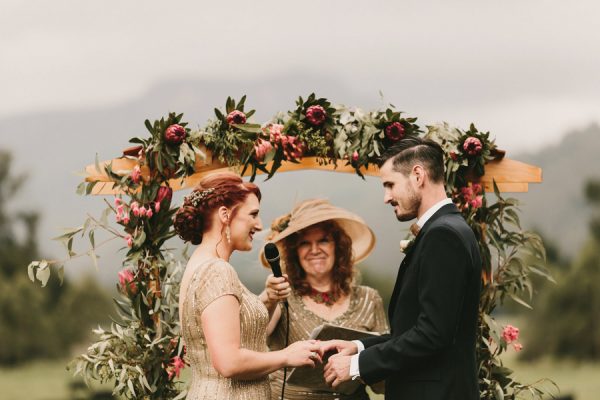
342	347
337	370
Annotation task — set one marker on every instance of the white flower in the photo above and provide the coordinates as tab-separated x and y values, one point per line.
404	244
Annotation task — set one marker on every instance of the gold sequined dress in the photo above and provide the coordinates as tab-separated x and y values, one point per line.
365	312
200	286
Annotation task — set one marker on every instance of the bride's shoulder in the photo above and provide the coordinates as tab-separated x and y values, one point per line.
210	267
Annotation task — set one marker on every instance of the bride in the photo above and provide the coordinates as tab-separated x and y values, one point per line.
223	324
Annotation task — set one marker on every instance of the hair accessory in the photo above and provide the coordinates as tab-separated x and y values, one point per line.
197	196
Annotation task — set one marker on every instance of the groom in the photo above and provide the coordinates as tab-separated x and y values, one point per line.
430	353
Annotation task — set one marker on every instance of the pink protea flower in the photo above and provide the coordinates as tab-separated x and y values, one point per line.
149	212
355	156
394	131
477	188
175	367
472	146
118	201
129	240
293	149
316	115
126	219
175	134
510	334
236	117
126	280
142	211
136	174
261	149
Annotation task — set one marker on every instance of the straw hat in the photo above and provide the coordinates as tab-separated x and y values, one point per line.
313	211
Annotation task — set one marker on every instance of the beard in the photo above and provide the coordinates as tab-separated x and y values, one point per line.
406	209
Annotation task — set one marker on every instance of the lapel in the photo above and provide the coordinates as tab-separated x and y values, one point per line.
404	265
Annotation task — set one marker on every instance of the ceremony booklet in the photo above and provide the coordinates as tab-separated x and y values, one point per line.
312	378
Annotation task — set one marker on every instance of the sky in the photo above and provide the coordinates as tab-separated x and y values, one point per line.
527	71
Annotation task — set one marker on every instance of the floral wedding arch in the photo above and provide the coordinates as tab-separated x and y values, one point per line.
142	351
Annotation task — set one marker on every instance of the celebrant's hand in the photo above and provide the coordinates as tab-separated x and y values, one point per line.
337	370
277	288
342	347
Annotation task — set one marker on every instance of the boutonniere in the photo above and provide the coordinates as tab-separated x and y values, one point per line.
406	244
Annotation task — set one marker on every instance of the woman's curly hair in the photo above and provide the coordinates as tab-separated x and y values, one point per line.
223	189
342	273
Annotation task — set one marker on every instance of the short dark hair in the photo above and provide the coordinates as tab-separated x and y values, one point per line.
411	150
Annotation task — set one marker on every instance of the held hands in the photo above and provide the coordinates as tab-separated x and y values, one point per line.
303	353
277	288
337	369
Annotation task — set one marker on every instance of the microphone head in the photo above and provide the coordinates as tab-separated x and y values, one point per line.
271	252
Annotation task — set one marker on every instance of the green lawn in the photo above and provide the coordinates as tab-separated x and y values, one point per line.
42	380
49	380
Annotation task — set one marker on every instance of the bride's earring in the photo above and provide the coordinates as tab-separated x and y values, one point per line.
228	234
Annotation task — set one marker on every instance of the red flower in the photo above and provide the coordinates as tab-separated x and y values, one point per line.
355	156
175	134
472	146
394	131
453	155
236	117
316	115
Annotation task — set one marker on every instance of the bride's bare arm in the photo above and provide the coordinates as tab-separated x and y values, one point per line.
221	326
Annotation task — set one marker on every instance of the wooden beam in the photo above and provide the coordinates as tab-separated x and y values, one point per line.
510	175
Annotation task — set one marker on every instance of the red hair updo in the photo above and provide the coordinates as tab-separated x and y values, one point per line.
194	217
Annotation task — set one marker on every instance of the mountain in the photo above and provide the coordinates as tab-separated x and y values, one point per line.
557	208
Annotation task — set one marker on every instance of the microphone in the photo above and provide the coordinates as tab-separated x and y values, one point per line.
272	256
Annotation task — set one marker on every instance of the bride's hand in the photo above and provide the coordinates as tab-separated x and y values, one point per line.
303	353
277	288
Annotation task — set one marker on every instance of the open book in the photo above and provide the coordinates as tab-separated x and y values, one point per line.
312	378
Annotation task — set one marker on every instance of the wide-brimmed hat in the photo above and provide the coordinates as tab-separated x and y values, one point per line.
311	212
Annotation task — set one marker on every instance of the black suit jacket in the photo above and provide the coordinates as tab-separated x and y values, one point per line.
430	353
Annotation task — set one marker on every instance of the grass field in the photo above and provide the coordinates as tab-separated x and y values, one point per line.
50	381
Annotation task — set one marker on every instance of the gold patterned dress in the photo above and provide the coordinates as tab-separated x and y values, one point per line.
200	286
365	312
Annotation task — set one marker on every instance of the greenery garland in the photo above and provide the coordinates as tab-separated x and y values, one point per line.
142	351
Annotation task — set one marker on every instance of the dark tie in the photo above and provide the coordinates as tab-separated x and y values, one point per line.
414	229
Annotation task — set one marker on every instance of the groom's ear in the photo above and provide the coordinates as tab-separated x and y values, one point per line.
418	175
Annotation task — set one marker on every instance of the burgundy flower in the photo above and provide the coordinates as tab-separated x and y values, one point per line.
316	115
394	131
472	146
175	134
453	155
236	117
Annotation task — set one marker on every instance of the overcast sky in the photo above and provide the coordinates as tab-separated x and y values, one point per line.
526	70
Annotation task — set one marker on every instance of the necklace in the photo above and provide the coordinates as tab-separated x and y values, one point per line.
327	298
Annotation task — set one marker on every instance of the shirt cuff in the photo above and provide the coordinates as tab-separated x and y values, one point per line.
354	371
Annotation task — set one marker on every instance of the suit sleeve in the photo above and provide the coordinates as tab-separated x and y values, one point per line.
442	270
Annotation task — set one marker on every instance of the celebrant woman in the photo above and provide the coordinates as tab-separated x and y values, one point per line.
223	324
319	244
